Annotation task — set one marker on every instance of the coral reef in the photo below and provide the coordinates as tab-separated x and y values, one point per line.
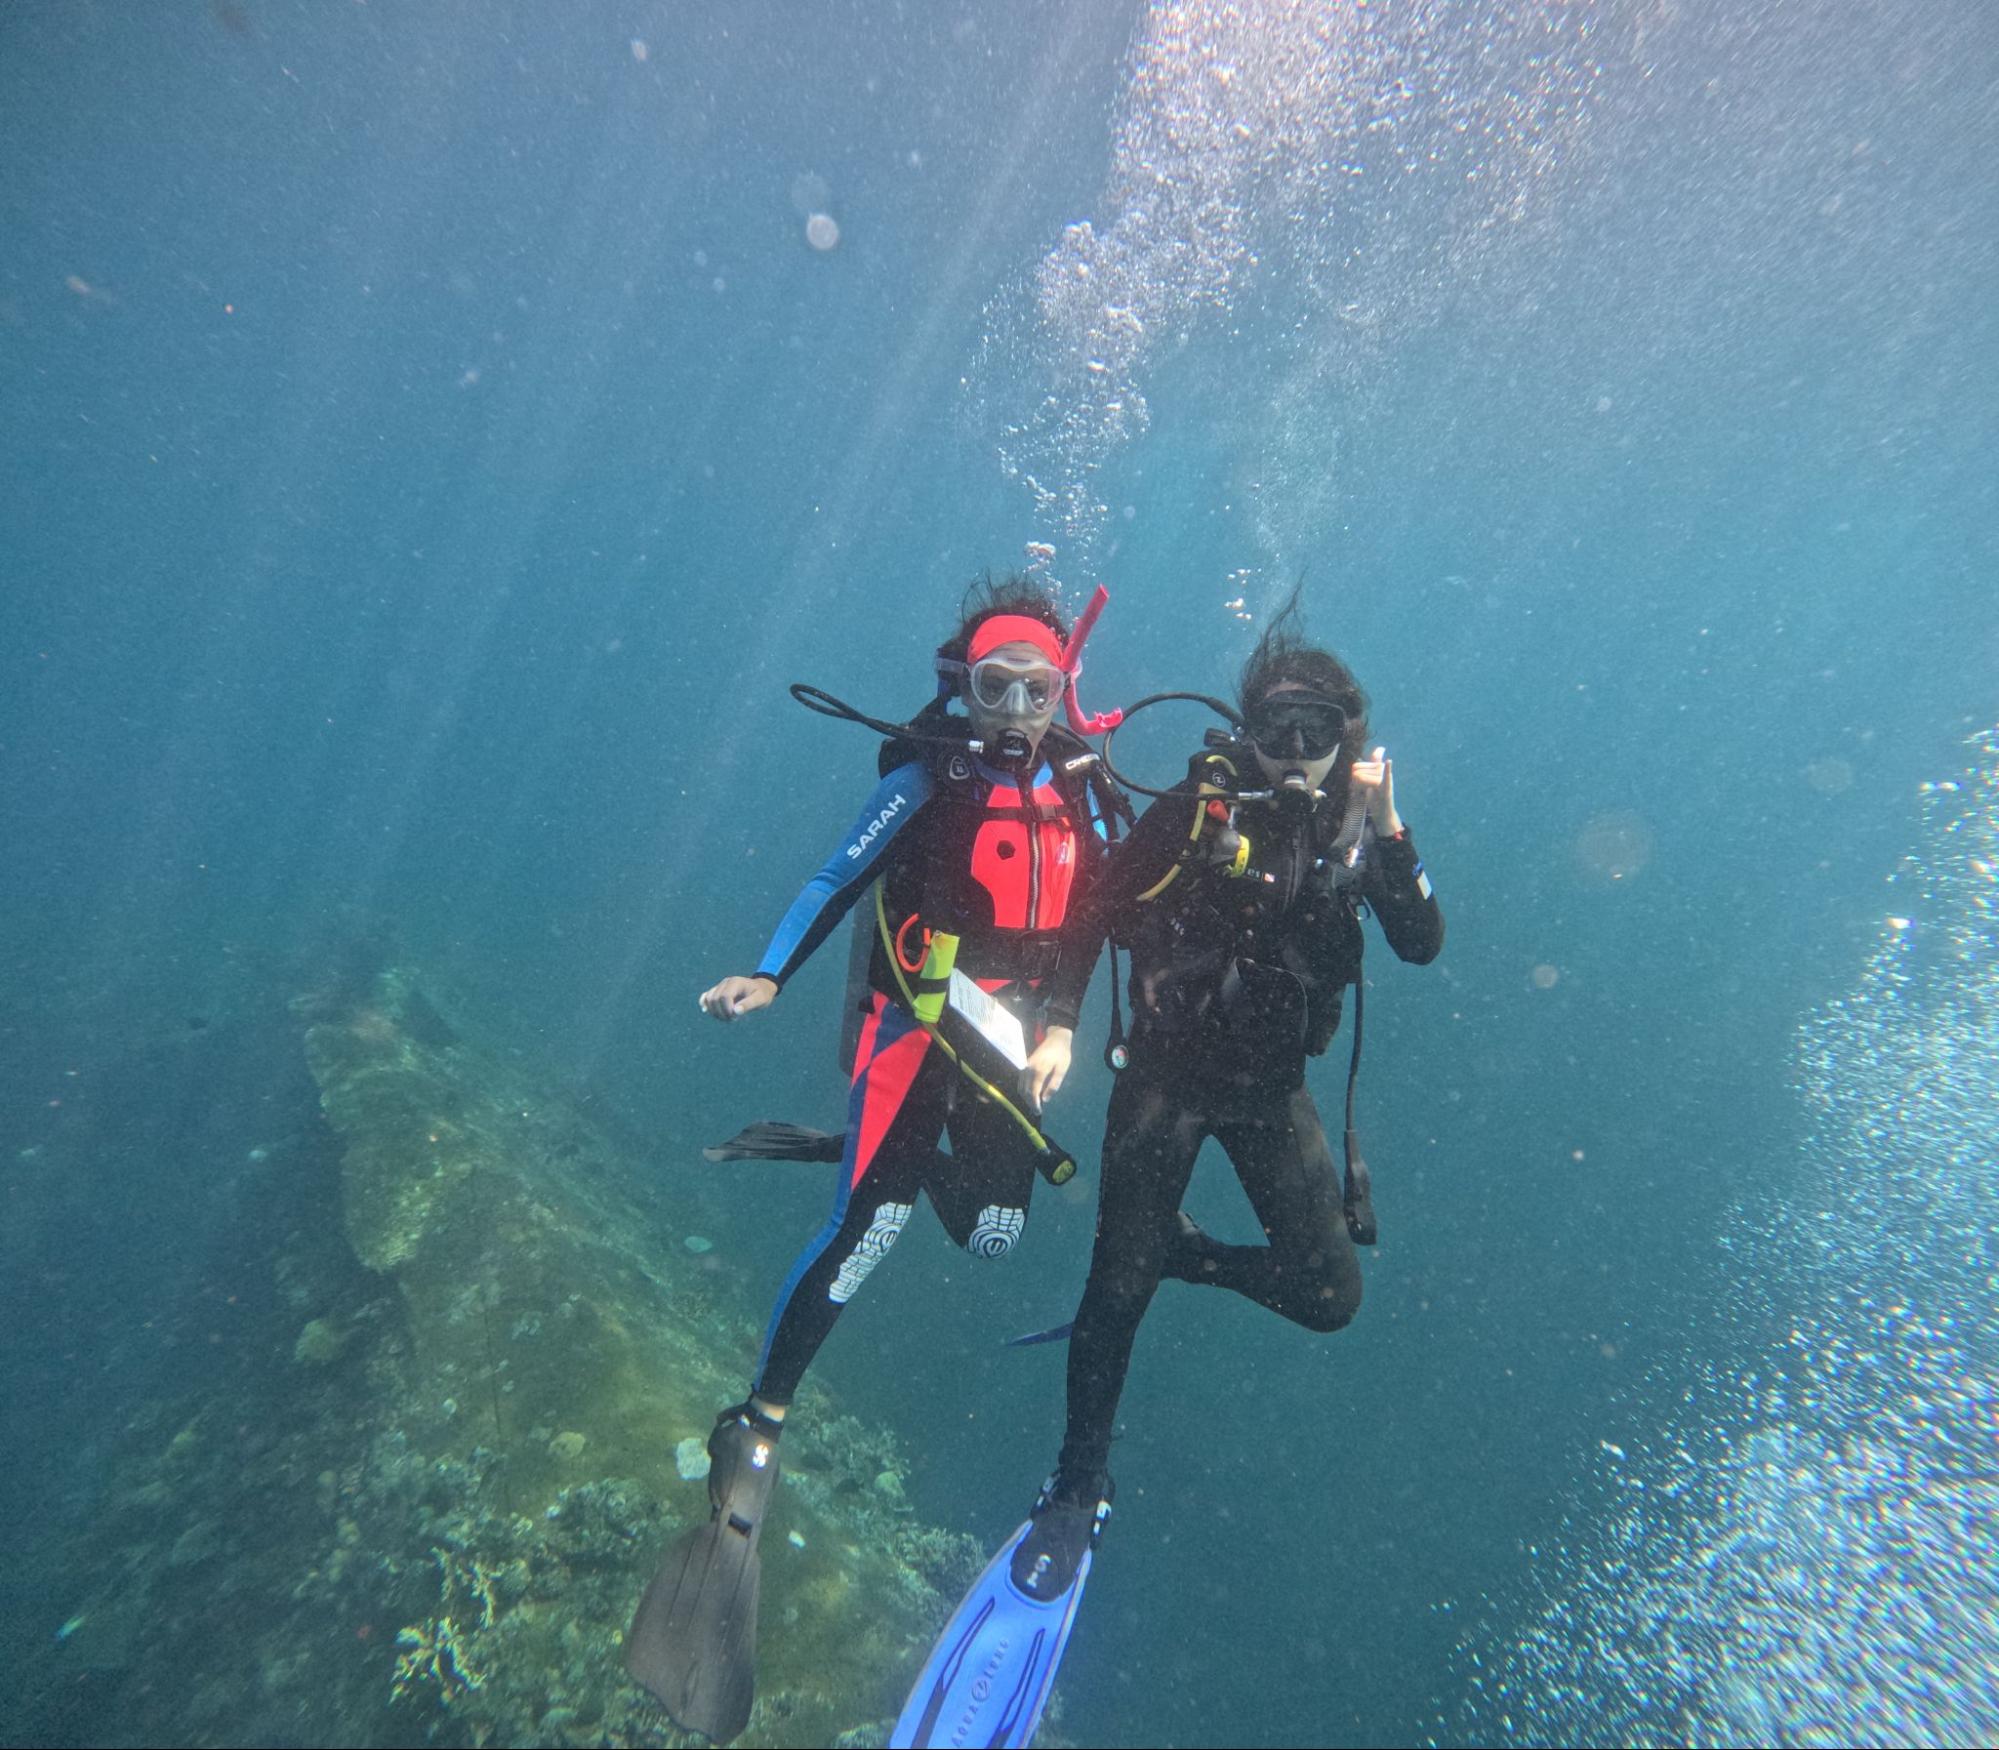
318	1344
422	1505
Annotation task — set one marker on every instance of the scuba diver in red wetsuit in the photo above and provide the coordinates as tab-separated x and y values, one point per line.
983	833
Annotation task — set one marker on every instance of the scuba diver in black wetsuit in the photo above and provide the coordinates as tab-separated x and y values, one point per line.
983	832
1239	895
1244	929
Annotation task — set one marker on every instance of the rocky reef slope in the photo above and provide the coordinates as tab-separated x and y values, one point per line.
421	1501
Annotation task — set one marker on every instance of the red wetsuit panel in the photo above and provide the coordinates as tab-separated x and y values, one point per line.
890	1053
1029	891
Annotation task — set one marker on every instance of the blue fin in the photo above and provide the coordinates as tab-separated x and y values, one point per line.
987	1679
1054	1334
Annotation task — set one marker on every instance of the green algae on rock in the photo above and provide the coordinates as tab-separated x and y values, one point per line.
540	1292
429	1457
318	1344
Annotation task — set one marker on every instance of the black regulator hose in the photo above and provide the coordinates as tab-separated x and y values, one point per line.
1357	1197
819	700
1226	712
826	705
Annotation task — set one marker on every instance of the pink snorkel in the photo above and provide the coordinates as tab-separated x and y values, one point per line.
1081	721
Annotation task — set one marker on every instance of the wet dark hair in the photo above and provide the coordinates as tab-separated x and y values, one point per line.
1282	655
1013	594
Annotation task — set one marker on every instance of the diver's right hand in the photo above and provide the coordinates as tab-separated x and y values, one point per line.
1047	1067
734	997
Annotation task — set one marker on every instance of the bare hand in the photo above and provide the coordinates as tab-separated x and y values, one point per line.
1376	776
735	997
1047	1067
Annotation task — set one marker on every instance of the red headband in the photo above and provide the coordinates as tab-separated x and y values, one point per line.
1014	629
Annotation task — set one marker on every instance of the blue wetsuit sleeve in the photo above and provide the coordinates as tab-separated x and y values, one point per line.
831	893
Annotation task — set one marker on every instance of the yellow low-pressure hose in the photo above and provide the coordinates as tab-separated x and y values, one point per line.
926	1002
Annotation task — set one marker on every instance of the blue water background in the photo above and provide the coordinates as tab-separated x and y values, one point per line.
433	445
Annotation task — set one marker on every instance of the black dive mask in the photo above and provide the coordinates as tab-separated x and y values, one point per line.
1296	726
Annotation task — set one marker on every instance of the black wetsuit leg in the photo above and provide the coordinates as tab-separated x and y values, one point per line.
1151	1137
1310	1271
980	1190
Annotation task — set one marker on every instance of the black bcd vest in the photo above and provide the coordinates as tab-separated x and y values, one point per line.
1253	966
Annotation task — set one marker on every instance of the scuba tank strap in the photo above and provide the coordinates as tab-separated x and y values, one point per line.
1098	791
1033	812
1114	807
1089	792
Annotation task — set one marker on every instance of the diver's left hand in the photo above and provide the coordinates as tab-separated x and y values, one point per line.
1376	776
1047	1067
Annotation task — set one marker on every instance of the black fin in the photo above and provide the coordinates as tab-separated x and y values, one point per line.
775	1140
693	1642
1054	1334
